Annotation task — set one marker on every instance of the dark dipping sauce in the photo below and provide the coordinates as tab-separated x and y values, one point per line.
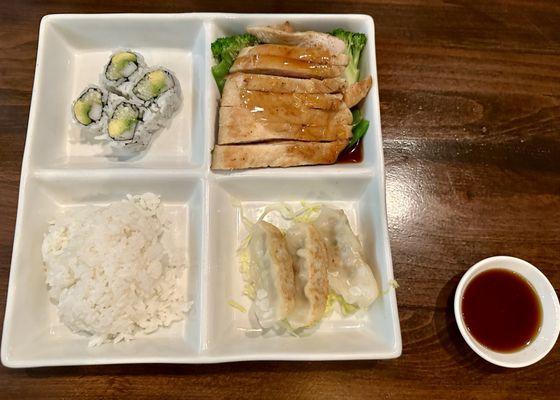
354	154
501	310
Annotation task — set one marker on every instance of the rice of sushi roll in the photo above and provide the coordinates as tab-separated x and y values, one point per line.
123	68
158	90
89	108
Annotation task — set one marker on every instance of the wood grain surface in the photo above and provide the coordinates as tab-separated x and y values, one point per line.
470	109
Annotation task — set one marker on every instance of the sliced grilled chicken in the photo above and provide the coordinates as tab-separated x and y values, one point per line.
280	84
275	154
291	115
278	65
357	91
314	55
252	100
271	34
284	26
253	131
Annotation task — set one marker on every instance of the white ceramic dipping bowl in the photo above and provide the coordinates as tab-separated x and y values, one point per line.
546	338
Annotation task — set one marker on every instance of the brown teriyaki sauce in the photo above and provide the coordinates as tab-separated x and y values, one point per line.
354	154
501	310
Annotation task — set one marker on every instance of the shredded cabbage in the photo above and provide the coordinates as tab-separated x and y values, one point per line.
306	212
391	284
345	308
250	330
237	306
246	267
309	213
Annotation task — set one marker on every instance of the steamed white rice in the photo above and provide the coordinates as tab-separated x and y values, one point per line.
115	272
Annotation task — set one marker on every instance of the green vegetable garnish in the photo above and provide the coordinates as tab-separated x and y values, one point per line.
355	43
359	127
225	50
356	116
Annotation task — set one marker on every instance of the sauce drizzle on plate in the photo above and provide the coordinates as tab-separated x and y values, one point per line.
354	154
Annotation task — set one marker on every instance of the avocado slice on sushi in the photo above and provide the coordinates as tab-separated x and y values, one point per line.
81	111
122	124
89	107
153	84
122	65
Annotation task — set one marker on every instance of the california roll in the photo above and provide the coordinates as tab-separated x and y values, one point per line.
158	90
89	108
123	68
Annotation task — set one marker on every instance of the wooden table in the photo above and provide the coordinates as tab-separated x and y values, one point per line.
470	108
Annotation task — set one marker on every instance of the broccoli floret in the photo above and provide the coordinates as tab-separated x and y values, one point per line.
355	43
360	126
225	50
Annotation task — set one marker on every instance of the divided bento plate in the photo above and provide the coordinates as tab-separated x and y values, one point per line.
60	171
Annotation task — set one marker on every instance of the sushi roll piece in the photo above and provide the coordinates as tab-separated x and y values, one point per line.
125	129
159	91
122	123
122	70
89	108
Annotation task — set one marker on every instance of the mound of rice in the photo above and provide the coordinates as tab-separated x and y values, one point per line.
114	271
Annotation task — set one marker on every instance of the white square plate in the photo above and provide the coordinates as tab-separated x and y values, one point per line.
59	171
